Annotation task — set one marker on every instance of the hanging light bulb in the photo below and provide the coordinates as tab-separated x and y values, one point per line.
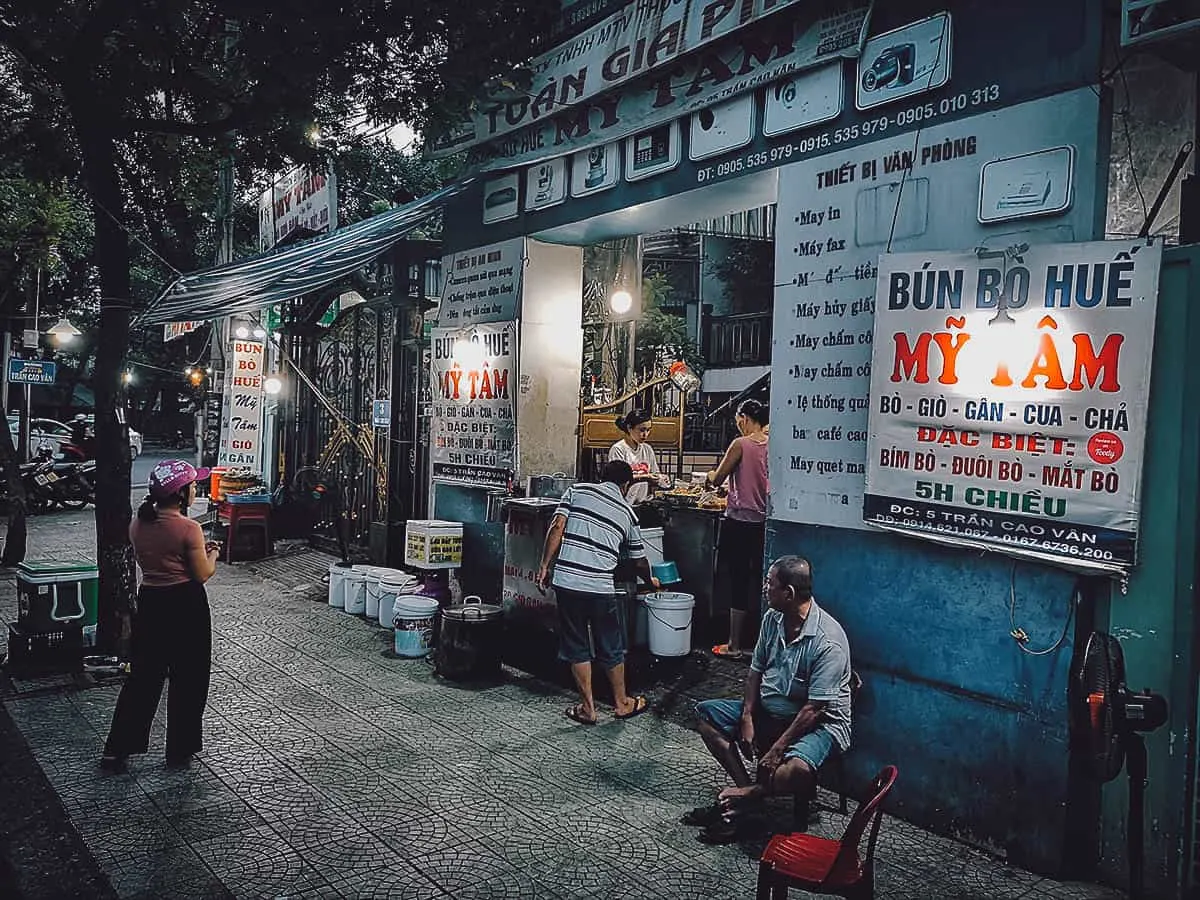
621	302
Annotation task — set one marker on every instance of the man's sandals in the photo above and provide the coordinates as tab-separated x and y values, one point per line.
724	652
577	713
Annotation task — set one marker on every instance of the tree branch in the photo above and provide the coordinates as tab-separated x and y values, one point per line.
34	56
107	15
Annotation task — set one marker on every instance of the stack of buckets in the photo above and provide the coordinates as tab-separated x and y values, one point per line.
668	614
388	596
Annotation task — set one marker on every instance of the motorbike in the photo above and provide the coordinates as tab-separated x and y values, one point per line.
38	478
74	484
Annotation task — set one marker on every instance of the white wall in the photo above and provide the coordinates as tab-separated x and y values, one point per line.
550	360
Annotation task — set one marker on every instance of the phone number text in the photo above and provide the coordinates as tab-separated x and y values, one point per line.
921	114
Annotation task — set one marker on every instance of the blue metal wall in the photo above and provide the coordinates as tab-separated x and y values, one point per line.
977	727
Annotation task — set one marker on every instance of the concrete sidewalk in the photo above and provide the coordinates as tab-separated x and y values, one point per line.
333	769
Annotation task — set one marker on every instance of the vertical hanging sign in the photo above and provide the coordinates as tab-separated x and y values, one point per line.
474	405
242	438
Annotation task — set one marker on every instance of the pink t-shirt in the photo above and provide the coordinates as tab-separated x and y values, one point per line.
162	547
748	485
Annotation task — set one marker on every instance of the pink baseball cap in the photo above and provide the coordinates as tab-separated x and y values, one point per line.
170	476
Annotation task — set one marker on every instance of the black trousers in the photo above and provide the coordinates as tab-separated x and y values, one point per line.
171	641
740	562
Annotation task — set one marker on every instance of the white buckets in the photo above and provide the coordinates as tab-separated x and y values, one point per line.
374	573
337	584
354	591
413	621
652	539
392	586
669	616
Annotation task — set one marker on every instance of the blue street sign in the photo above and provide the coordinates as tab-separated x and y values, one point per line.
32	371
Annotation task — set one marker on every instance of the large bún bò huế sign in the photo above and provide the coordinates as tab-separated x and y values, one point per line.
1009	394
474	385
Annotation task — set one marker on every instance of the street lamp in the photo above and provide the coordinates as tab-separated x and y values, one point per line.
621	302
63	331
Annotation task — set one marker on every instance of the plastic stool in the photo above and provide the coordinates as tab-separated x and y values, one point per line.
238	516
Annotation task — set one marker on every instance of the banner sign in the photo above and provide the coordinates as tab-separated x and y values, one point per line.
482	285
837	213
32	371
1009	393
242	438
542	127
173	330
473	429
298	199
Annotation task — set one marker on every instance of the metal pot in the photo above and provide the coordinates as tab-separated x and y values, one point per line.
471	642
553	486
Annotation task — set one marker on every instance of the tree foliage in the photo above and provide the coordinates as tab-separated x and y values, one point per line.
662	337
748	272
128	95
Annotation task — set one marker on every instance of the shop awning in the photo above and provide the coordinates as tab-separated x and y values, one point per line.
252	284
760	385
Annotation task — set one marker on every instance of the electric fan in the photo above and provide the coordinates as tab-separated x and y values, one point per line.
1107	720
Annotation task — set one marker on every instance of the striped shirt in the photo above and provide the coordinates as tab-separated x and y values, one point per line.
600	523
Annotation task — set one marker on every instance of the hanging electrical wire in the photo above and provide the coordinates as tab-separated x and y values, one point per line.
1019	635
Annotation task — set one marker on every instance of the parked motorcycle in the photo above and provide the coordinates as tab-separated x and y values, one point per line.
74	484
38	478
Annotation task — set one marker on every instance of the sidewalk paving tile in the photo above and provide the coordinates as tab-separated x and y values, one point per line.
333	769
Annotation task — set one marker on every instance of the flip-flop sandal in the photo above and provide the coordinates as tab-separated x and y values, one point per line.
723	651
703	816
721	832
575	714
640	705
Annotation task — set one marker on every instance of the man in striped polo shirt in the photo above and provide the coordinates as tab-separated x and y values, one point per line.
592	526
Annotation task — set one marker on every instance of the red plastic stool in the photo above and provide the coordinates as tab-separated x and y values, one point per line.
237	516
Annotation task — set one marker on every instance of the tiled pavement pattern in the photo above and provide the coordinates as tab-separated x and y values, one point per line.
332	769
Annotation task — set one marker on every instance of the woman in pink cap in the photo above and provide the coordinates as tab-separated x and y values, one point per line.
172	636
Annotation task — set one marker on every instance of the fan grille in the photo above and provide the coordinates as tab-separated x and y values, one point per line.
1101	673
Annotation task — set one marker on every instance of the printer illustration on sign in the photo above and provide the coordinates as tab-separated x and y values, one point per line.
1031	190
501	197
892	68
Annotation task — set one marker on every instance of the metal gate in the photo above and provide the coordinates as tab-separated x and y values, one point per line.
353	369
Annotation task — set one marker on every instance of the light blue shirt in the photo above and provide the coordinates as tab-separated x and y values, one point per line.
814	666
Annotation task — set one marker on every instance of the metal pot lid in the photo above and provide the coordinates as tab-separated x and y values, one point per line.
474	612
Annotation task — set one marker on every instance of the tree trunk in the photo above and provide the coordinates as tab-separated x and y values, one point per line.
114	553
15	540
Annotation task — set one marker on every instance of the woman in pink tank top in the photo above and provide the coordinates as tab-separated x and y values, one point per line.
172	631
740	544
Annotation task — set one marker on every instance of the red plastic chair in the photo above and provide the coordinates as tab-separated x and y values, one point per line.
821	865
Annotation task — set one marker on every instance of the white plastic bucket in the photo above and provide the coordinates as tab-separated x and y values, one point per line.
337	584
669	616
652	539
355	591
413	622
374	573
390	587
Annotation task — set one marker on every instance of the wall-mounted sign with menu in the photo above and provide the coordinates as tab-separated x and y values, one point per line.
473	426
1009	392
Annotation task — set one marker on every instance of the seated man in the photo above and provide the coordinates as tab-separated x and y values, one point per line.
795	709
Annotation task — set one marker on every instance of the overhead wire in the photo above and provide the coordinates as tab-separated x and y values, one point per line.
916	143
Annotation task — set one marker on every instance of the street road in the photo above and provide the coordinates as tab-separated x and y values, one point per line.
142	466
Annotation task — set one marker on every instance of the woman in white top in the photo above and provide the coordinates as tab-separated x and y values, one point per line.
635	449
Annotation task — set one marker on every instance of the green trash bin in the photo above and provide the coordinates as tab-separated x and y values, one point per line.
54	595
